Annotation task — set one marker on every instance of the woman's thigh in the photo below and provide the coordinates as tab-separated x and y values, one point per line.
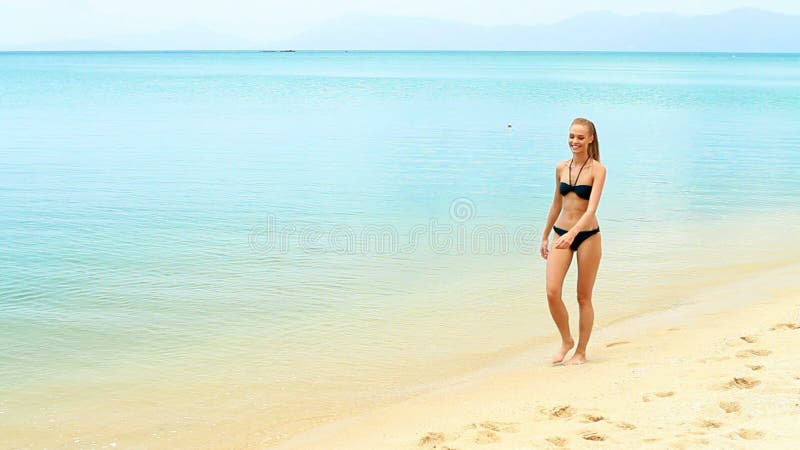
558	261
589	253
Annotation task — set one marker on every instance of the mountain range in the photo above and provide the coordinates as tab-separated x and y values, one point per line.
739	30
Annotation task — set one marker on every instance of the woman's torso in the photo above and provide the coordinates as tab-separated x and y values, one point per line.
574	206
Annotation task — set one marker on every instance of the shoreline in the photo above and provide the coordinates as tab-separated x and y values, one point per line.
317	425
513	401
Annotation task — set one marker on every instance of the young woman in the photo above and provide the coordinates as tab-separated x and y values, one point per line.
579	185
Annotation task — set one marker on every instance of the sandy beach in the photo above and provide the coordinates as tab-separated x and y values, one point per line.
718	370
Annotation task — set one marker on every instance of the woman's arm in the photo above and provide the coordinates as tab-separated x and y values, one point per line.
552	215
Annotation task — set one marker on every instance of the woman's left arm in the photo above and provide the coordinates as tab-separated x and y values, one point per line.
594	201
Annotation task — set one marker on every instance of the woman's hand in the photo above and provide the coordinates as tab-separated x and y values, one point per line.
564	241
543	249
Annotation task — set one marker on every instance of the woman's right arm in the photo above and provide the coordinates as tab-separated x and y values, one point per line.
552	215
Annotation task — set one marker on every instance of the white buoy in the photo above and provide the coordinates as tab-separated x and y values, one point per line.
509	124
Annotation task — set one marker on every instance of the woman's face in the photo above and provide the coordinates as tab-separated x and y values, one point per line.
579	138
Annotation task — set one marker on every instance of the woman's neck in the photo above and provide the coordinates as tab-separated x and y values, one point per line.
580	158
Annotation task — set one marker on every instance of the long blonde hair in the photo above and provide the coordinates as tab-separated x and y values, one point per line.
594	146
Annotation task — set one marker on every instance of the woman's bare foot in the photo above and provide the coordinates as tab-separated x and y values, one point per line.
577	358
566	346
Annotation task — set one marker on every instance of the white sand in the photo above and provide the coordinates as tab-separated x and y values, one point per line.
719	370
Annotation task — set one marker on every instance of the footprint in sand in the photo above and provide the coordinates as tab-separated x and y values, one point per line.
561	412
649	397
754	366
753	352
487	432
745	433
611	344
625	425
592	418
593	436
742	383
503	427
786	326
486	437
709	424
558	441
431	440
730	407
749	339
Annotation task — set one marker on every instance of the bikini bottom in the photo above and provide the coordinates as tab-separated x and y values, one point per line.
579	238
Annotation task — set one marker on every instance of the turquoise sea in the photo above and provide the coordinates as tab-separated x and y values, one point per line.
224	248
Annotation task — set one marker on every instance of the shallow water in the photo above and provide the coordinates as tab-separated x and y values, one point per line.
248	243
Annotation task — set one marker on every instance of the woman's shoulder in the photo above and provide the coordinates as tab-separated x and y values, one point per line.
596	165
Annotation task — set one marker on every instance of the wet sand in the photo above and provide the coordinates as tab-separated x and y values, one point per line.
719	369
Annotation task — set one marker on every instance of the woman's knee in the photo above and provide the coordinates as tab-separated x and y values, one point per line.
553	294
584	298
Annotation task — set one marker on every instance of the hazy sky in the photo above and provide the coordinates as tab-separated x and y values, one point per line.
30	21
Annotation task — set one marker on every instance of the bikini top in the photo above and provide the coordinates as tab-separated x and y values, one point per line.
583	191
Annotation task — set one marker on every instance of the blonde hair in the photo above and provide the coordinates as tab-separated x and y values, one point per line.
594	146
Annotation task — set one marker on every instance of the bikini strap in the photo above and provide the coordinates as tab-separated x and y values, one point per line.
579	172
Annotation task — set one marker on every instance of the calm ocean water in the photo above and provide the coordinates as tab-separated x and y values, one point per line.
250	243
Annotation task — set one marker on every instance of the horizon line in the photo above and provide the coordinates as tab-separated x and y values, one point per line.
233	50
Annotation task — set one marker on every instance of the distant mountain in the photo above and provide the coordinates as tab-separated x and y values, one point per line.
185	38
739	30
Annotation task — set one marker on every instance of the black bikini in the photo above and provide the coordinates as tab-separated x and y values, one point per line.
579	238
583	191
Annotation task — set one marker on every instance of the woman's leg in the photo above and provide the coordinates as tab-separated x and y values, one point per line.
558	261
589	253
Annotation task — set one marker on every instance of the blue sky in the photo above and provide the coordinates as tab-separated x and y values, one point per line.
30	21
